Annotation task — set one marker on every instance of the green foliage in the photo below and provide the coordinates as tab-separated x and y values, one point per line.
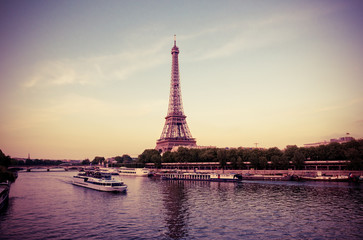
86	162
169	157
208	155
35	162
222	157
272	158
4	164
289	152
125	159
298	159
4	160
150	156
98	160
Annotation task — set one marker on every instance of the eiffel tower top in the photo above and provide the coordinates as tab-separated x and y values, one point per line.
175	49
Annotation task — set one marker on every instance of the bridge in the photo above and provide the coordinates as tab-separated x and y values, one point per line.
42	168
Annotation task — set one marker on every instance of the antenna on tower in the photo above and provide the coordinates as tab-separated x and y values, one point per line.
174	40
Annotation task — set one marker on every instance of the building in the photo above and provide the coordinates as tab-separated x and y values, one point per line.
337	140
175	131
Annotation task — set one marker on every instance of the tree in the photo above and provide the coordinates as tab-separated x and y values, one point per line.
310	153
254	157
275	162
126	158
322	152
289	152
355	161
86	162
273	152
119	159
29	162
222	157
156	159
279	162
4	164
335	151
298	160
98	160
169	157
4	160
194	154
209	155
147	156
262	162
240	164
183	155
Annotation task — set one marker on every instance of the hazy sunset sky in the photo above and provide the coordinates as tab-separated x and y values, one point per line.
80	79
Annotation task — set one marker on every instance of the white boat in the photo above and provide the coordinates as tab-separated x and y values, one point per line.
141	172
4	194
99	181
112	171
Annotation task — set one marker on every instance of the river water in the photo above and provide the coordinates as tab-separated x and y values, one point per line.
45	205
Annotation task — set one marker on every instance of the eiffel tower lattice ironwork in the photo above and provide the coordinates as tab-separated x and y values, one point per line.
175	131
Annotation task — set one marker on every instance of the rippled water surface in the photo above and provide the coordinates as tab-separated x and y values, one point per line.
44	205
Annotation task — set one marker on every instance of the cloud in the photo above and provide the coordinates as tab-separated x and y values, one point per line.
95	69
252	34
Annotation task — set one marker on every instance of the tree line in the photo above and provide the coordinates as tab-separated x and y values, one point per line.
5	174
258	158
35	162
271	158
119	161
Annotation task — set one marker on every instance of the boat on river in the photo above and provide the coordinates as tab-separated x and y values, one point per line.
100	181
4	194
264	177
337	178
140	172
324	177
214	177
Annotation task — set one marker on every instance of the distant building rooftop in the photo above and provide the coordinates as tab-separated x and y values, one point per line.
337	140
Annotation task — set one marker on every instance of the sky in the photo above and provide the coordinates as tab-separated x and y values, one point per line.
80	79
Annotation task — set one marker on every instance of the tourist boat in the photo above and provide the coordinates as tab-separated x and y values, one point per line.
140	172
100	181
4	194
215	177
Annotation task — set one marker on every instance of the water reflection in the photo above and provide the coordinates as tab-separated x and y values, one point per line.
45	206
175	202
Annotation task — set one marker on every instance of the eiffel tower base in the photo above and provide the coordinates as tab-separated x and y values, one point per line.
164	145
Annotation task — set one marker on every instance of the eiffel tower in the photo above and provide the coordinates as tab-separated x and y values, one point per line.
175	131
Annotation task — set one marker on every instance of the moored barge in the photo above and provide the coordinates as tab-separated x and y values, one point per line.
215	177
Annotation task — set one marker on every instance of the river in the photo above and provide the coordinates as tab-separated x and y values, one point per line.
45	205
